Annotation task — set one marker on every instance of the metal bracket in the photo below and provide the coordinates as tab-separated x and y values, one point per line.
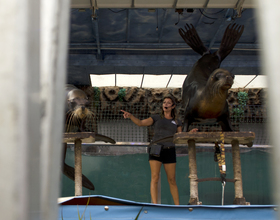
239	7
93	8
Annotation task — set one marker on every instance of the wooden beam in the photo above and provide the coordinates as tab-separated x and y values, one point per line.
245	138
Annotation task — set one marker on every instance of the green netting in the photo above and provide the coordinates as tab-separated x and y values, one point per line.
108	120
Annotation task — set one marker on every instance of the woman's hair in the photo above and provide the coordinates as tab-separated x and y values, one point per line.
173	111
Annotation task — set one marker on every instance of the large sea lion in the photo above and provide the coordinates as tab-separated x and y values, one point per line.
205	89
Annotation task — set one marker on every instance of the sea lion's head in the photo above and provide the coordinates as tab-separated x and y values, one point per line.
78	103
77	109
220	81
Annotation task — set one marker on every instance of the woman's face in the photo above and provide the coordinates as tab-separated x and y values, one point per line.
167	104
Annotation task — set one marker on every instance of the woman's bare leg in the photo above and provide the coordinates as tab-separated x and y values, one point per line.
170	169
155	169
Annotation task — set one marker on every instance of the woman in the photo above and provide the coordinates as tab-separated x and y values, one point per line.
165	124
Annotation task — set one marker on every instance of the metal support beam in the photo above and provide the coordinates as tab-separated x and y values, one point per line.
142	78
162	24
128	26
175	4
94	20
115	76
239	7
132	3
201	16
170	78
218	31
237	61
151	46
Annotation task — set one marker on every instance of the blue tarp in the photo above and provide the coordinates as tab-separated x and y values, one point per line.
130	210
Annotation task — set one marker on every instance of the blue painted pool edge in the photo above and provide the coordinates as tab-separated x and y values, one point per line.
130	209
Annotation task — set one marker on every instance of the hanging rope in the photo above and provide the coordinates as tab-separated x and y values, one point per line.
220	157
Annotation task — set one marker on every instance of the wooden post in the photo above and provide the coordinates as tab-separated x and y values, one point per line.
233	138
193	173
239	199
78	167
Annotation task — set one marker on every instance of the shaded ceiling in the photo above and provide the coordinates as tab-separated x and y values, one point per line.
141	37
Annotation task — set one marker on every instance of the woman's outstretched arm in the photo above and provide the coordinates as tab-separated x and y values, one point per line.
145	122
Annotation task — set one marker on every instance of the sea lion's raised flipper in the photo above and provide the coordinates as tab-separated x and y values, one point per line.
230	38
70	173
191	37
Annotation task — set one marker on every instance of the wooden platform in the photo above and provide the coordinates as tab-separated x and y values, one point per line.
86	137
78	138
245	138
234	138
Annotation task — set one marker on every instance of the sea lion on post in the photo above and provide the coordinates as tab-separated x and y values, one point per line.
205	89
76	113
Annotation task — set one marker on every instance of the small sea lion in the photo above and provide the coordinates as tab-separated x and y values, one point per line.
77	111
205	89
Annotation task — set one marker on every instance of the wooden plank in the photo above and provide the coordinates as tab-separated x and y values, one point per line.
85	137
245	138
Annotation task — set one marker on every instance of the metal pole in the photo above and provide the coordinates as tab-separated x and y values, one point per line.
78	167
54	26
269	34
193	173
223	192
20	112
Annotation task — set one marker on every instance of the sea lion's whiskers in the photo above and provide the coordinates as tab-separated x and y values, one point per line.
90	113
70	122
68	111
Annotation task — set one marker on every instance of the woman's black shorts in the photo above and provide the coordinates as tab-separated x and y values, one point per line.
166	156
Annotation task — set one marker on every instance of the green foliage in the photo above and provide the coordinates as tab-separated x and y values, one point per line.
81	217
96	96
121	94
242	102
96	91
